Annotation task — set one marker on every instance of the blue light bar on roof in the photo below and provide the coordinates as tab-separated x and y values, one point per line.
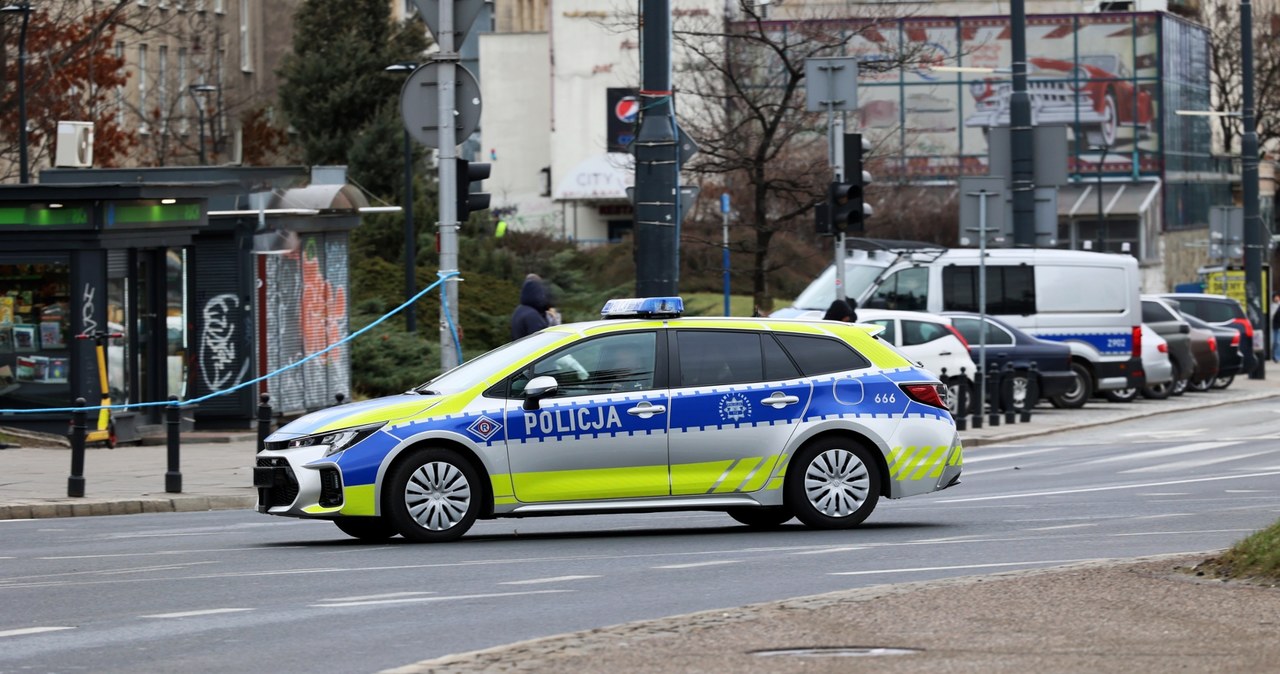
643	307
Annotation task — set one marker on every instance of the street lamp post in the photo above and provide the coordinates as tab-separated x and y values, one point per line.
24	173
201	89
410	234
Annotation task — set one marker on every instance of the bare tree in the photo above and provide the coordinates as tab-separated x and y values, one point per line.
742	98
1226	72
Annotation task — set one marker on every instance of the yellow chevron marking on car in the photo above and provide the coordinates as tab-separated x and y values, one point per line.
590	483
501	485
359	500
320	510
774	484
899	462
756	480
957	459
737	475
697	478
935	458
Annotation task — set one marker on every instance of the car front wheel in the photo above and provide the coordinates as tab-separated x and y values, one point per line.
1079	394
1223	382
833	483
1124	395
433	496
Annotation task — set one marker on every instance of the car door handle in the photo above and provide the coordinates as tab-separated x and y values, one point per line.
646	409
944	353
780	400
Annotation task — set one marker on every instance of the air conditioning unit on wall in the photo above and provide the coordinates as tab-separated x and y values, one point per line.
74	147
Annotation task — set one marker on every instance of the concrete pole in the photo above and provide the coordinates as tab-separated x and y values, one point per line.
1253	225
1020	133
657	160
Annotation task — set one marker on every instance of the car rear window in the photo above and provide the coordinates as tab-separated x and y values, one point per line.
820	355
1213	311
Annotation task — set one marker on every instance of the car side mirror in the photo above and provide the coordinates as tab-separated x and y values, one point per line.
537	389
1184	328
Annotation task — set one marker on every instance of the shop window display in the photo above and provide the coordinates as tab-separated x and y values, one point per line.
35	326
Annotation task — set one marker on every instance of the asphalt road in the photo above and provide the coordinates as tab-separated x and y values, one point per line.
238	591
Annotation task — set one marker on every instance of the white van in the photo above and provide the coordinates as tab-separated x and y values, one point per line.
1089	301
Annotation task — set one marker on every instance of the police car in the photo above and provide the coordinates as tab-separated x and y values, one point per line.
641	411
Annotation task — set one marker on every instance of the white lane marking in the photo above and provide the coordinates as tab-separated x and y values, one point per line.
539	581
1168	435
1182	533
1191	464
696	565
1065	526
32	630
192	614
1160	453
459	597
104	572
964	566
163	553
824	551
1163	494
1240	491
979	457
370	597
1085	490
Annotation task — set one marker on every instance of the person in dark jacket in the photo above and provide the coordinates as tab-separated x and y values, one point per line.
841	310
530	315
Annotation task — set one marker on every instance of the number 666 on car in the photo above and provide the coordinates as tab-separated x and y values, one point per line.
641	411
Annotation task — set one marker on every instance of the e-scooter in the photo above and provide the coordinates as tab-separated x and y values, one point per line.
105	431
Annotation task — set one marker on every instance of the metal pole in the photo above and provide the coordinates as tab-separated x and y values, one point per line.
1253	238
448	58
1102	215
836	133
24	171
173	477
410	238
724	227
982	305
657	159
75	482
200	118
1020	133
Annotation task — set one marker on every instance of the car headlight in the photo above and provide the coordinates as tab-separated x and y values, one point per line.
336	441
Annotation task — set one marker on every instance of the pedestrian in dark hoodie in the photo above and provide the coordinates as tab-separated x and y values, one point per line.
841	310
530	315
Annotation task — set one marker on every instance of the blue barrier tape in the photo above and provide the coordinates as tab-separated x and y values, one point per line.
251	382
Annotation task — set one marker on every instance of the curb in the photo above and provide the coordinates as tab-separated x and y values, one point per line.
81	508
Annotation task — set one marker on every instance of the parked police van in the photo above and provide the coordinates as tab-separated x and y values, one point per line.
1089	301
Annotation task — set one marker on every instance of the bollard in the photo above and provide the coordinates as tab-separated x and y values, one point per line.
264	420
340	397
1032	376
173	478
993	392
975	408
75	482
1010	414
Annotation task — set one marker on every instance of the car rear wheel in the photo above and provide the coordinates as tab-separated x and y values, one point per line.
1223	382
1200	385
770	517
1077	395
1124	395
833	483
1157	391
959	396
433	496
366	528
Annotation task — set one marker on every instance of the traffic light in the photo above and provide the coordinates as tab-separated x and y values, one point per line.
849	211
468	201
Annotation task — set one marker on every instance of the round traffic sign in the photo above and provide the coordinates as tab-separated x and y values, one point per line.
420	104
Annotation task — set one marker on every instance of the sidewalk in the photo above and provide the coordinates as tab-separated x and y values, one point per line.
217	468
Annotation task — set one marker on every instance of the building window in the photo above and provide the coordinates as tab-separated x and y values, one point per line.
246	53
142	88
35	330
162	86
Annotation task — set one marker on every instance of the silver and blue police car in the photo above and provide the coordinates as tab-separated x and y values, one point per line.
643	410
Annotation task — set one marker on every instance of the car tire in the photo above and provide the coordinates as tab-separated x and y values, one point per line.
433	496
1200	385
770	517
1157	391
1080	393
959	396
366	528
1223	382
1124	395
833	483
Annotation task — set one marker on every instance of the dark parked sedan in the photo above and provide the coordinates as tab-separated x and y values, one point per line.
1230	360
1006	344
1223	311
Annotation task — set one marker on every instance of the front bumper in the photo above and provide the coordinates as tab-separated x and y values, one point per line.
1056	383
298	483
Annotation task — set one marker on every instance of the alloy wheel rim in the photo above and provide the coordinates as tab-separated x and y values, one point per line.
437	496
837	483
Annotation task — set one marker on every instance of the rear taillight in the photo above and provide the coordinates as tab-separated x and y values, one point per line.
959	336
1235	340
929	394
1213	344
1163	348
1137	341
1248	327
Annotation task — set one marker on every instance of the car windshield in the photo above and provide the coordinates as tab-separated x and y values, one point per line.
481	368
822	292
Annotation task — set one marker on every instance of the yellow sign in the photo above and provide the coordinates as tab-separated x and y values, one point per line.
1230	282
